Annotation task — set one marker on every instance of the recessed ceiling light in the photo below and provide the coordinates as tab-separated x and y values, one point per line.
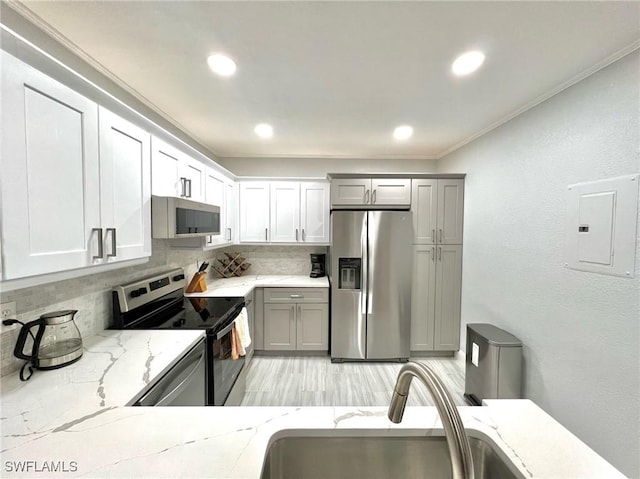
222	65
467	63
403	132
263	130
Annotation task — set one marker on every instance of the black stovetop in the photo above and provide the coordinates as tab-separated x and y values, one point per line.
204	313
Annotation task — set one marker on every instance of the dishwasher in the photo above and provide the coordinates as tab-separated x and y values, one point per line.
183	385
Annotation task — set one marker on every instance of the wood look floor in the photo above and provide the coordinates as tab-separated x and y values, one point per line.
315	381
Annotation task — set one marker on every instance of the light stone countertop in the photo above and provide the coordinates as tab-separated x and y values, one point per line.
75	419
243	285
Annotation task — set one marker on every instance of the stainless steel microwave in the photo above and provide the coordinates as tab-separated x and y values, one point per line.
179	218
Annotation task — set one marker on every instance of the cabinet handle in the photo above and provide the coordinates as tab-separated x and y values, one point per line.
100	246
296	234
439	254
113	242
302	234
229	239
296	296
366	197
373	197
183	184
266	234
440	240
189	183
433	236
433	253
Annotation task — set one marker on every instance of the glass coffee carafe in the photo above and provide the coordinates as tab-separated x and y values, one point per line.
56	343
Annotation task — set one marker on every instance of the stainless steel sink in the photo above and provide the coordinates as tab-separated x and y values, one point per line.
351	456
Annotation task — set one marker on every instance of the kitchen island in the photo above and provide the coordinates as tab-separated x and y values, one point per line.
75	421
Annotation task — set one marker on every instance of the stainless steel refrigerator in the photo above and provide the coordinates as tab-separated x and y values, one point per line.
370	274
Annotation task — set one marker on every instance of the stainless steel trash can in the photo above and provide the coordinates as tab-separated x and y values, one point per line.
493	364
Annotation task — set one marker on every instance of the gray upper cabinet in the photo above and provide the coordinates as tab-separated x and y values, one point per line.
370	192
350	192
424	203
437	206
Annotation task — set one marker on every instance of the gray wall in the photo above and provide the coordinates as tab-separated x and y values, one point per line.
580	330
319	167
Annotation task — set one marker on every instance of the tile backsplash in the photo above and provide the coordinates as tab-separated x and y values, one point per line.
91	294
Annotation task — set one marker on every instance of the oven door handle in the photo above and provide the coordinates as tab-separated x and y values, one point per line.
226	330
169	397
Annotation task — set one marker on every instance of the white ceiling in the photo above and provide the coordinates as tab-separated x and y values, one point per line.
335	78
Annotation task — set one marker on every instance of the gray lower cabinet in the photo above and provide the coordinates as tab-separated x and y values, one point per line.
435	303
294	322
280	327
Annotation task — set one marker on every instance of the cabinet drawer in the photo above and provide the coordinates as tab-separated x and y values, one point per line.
296	295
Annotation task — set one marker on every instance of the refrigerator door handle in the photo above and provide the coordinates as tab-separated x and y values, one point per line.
364	290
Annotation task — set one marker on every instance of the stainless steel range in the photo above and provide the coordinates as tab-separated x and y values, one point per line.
158	302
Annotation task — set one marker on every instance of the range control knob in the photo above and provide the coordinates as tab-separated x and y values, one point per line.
178	277
137	292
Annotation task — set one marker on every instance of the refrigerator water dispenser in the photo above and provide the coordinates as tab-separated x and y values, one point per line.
350	270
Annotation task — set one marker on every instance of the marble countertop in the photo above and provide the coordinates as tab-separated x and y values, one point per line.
243	285
74	422
116	366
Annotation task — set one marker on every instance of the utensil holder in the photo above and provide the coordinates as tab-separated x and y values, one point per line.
198	283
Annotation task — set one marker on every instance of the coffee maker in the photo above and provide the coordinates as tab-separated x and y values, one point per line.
318	265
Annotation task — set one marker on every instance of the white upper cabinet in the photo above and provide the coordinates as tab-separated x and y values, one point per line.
165	169
215	194
75	190
370	193
193	175
125	188
220	191
437	206
285	212
231	212
314	212
254	212
50	174
298	212
176	174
